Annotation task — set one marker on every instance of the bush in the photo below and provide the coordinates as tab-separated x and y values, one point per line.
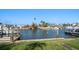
34	45
5	46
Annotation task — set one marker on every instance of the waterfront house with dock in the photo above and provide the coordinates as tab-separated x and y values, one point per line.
8	31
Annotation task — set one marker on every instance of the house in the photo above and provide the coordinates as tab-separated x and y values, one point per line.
6	29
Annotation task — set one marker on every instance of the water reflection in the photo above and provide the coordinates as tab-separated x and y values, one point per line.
40	34
34	33
44	33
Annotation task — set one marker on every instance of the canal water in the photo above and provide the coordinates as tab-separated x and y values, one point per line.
43	34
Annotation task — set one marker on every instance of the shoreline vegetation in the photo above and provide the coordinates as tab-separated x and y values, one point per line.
46	26
42	25
43	28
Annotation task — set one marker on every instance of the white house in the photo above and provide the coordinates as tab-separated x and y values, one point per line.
6	29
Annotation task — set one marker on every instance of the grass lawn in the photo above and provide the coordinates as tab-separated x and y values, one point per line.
73	43
40	45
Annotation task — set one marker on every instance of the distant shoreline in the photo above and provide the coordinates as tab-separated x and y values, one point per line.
43	28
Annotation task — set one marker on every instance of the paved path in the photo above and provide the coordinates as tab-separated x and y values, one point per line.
5	39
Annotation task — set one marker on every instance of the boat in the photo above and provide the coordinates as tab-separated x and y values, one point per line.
72	31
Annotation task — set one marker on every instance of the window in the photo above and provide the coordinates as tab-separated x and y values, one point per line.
77	30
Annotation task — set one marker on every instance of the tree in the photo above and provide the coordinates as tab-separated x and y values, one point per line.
43	23
34	26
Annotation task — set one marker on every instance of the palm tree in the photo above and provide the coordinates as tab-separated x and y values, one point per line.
34	26
44	24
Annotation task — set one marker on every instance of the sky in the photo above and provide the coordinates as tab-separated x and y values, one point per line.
26	16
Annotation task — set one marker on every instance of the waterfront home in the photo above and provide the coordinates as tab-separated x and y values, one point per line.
6	29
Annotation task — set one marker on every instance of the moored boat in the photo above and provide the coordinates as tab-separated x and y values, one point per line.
72	31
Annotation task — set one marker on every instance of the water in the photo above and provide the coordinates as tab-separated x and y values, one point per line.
42	34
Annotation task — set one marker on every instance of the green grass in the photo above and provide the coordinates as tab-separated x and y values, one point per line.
6	46
32	45
53	45
40	45
73	43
